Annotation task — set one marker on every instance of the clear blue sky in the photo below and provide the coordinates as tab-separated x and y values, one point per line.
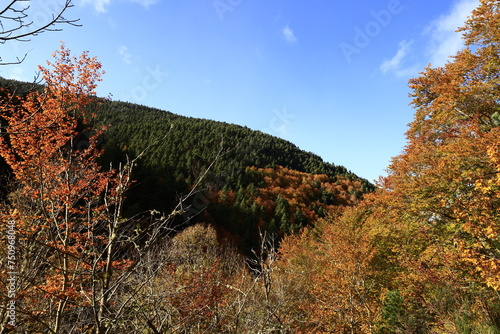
329	76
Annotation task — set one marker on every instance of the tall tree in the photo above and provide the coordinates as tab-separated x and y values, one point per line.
442	195
66	209
451	162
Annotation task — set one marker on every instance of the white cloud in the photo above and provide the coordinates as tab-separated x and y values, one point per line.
100	5
126	56
145	3
445	41
288	34
395	63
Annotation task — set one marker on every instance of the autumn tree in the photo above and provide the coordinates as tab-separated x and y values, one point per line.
334	260
441	198
422	254
66	208
451	162
82	266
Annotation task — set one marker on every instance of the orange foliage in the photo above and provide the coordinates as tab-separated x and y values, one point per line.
59	206
336	258
301	188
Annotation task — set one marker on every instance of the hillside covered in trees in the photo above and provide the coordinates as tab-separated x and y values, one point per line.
229	164
185	147
119	218
220	171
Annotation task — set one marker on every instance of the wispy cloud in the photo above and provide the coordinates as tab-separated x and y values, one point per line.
396	63
126	56
100	6
146	3
288	35
445	41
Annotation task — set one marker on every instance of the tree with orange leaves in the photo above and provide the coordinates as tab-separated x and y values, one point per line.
442	194
422	255
66	208
335	259
449	170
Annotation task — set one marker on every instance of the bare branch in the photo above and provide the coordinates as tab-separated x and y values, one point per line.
15	23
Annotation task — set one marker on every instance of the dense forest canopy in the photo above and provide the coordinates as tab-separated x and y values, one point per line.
193	144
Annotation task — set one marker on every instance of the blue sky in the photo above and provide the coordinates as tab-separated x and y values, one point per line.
329	76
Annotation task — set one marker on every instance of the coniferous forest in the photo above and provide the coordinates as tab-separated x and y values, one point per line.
120	218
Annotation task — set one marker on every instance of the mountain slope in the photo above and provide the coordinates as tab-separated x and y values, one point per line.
191	145
255	181
245	180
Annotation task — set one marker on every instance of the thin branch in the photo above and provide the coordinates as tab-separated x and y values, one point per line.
20	27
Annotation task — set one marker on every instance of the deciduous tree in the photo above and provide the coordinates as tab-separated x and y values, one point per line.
66	208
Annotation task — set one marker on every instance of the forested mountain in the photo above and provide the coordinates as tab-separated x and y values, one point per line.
185	150
225	164
110	194
188	146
